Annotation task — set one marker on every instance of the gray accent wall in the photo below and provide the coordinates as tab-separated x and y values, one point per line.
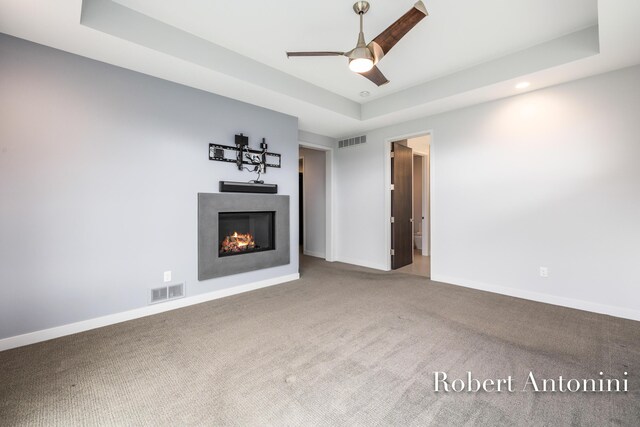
100	168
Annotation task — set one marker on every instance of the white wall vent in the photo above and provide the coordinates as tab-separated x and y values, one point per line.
356	140
176	291
158	294
167	293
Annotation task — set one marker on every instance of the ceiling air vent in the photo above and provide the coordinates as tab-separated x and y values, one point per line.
167	293
356	140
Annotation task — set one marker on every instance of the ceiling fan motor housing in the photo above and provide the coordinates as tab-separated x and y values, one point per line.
361	7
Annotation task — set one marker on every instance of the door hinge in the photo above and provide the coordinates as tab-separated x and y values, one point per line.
393	220
392	155
393	252
410	219
393	187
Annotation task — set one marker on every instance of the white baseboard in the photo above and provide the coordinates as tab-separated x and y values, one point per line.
625	313
98	322
314	254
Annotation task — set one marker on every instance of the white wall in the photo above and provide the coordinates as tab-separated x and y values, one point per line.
359	205
548	178
426	206
314	139
314	202
99	173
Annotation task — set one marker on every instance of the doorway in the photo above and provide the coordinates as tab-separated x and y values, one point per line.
312	172
410	205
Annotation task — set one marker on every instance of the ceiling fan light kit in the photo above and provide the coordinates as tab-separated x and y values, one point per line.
364	57
360	65
360	60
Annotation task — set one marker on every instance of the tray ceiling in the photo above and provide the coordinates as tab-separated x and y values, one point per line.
464	53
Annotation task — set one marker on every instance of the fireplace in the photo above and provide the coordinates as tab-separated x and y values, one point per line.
238	233
245	232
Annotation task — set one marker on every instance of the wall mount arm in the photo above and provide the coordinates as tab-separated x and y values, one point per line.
243	156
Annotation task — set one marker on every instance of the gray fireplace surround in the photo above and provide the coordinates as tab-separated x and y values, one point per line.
210	205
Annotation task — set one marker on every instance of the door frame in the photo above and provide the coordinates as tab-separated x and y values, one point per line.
426	203
387	192
329	250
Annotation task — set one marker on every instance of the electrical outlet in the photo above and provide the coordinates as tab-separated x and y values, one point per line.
167	276
544	272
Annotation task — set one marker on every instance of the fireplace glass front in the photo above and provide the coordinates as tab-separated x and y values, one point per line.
245	232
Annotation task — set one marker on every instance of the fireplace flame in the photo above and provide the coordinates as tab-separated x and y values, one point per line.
237	242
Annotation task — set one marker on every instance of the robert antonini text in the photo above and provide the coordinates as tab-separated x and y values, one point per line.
531	383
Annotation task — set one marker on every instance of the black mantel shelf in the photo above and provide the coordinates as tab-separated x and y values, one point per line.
247	187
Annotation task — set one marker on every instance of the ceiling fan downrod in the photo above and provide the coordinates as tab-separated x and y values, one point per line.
360	58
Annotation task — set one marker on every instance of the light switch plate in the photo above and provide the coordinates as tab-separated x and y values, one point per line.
167	276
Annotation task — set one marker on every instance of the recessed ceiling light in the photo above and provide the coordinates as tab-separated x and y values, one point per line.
365	93
523	85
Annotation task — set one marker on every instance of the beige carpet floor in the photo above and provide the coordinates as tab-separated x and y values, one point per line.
341	346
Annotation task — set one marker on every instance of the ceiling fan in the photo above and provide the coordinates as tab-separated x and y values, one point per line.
364	57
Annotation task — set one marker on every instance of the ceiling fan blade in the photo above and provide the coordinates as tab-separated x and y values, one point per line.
383	43
290	54
376	76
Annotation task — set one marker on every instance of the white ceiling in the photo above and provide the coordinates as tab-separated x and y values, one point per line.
457	35
464	53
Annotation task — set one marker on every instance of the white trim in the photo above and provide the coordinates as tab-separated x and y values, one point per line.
329	205
387	200
314	254
98	322
413	207
330	238
625	313
426	213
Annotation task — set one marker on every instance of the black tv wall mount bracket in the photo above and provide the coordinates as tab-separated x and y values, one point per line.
244	156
